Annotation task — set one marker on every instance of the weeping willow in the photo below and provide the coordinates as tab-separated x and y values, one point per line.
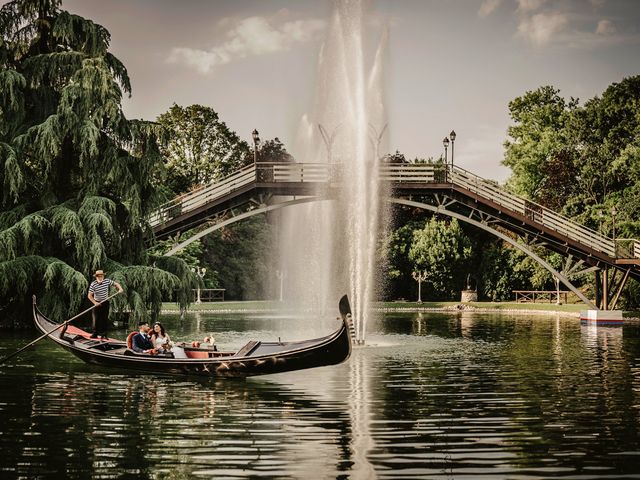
76	175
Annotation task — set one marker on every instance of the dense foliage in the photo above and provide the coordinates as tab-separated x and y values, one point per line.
240	254
201	148
442	251
581	160
76	174
273	151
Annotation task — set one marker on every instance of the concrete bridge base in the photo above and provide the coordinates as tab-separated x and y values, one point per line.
602	317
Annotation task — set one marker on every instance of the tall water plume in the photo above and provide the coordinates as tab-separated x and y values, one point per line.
329	247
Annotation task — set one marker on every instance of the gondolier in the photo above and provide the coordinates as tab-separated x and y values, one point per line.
99	292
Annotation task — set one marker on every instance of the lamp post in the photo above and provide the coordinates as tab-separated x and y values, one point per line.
600	222
445	142
419	277
614	212
452	136
200	271
281	276
256	141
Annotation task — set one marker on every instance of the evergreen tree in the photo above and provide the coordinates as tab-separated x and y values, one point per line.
75	173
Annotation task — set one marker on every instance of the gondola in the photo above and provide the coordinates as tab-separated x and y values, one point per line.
254	358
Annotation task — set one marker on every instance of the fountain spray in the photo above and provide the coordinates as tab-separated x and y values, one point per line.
330	247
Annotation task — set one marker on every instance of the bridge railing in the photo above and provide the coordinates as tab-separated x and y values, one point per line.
535	212
497	194
413	172
627	248
294	172
203	195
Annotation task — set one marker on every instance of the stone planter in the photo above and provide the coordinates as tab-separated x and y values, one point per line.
469	296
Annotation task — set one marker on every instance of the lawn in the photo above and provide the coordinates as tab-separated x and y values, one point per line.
274	305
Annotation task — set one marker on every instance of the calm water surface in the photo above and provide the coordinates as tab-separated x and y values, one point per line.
431	396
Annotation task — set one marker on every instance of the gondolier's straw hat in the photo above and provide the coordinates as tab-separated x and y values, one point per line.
98	273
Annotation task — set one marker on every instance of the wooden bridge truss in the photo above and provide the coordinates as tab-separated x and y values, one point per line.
442	189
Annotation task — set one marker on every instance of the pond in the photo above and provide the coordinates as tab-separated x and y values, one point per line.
430	396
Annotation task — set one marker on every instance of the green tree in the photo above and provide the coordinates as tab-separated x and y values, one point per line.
75	173
540	152
393	255
442	250
504	268
274	151
240	256
607	129
394	158
583	161
201	148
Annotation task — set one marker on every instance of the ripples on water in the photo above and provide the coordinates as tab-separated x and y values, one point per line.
432	396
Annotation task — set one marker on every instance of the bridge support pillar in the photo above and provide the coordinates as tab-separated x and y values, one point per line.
605	289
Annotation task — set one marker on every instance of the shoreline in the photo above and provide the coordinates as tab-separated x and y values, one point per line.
398	310
452	308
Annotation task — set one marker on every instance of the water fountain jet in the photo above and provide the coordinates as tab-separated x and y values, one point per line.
337	245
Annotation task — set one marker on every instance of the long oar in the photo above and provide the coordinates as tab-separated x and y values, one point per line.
58	327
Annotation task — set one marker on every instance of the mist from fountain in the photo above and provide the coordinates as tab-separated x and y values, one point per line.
329	248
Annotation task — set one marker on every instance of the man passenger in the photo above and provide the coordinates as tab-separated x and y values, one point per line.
141	342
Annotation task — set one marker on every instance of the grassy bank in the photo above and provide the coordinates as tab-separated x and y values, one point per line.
274	305
224	306
570	307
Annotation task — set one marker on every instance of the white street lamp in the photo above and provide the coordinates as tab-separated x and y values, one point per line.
200	271
419	277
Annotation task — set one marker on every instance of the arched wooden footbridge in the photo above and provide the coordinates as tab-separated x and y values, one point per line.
443	189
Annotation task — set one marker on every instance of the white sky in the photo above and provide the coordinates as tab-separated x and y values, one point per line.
451	64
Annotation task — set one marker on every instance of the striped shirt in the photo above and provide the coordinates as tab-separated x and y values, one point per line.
100	290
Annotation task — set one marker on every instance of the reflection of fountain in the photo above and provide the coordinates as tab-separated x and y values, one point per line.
334	244
359	400
281	276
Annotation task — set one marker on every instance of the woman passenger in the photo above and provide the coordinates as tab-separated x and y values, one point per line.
162	342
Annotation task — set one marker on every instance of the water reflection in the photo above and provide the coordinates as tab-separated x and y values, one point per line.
362	442
431	396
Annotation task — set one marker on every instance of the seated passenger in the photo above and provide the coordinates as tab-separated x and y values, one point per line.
212	342
141	343
208	342
162	342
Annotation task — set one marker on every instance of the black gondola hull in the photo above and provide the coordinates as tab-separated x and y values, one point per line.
269	358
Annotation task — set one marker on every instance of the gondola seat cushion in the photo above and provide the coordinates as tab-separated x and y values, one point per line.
130	340
196	354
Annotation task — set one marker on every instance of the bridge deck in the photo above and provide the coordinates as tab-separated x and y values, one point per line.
324	180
